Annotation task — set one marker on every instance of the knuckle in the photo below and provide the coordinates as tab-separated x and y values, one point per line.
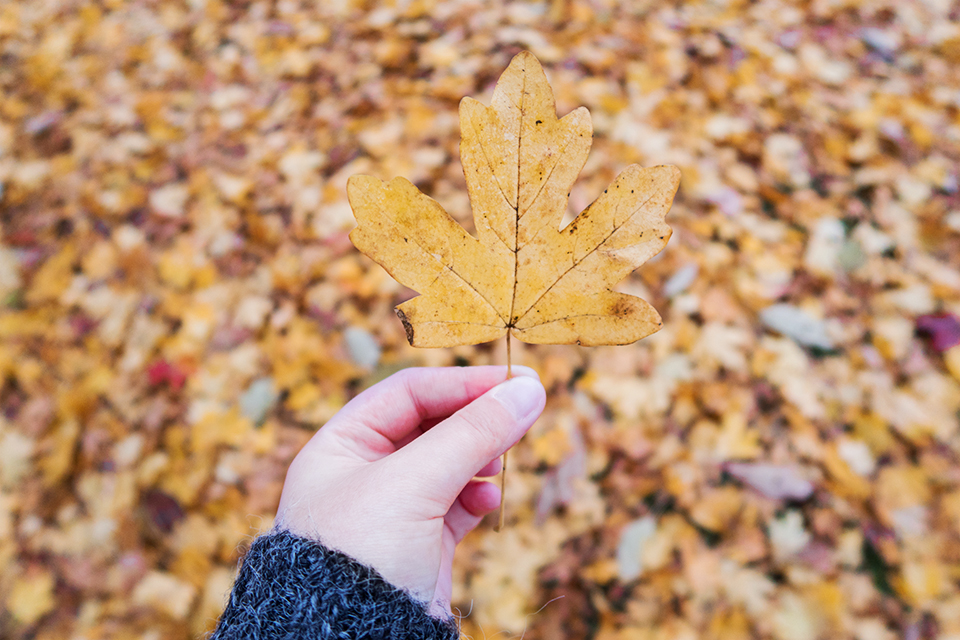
401	376
404	376
483	427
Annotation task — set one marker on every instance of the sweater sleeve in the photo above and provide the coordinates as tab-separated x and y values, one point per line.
293	588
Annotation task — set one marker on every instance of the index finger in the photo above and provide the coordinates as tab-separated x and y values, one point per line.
391	411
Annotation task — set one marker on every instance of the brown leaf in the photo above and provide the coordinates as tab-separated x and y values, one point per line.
523	274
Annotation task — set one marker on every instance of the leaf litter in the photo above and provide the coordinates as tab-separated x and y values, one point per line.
173	206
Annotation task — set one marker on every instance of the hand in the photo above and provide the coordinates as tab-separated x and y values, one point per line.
389	480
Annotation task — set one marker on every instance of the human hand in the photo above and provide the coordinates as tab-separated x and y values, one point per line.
389	480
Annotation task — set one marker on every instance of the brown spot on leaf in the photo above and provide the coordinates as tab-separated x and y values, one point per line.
619	308
406	325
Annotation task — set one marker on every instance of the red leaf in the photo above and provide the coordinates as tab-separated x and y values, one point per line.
161	372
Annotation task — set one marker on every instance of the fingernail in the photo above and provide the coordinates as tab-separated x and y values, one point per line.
520	396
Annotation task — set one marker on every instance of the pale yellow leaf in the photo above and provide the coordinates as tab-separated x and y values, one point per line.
522	273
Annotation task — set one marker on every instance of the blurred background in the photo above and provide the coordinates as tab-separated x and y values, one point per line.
181	308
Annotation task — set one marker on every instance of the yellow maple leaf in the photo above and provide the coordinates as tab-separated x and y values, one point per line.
523	274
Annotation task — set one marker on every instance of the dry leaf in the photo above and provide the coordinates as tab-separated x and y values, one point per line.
523	274
780	482
32	596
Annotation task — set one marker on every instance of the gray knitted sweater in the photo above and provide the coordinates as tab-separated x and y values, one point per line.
293	588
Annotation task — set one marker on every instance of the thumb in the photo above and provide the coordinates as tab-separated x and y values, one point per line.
450	454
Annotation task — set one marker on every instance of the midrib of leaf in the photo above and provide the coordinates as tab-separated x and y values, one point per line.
516	209
577	263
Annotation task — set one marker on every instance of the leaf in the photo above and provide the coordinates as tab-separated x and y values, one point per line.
943	329
522	273
32	596
780	482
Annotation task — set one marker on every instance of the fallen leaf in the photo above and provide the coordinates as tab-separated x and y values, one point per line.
787	534
32	596
632	540
523	274
170	200
163	372
796	619
258	399
160	511
951	358
362	346
54	276
214	593
165	592
780	482
717	509
797	324
943	329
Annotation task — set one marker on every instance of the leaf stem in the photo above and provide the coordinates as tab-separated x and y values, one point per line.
503	471
503	482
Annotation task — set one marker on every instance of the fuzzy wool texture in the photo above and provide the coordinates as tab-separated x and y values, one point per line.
294	588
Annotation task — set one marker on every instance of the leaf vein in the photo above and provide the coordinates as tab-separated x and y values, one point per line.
585	256
549	175
476	324
417	242
493	174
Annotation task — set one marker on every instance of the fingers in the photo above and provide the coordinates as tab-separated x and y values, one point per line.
492	468
450	454
390	413
479	499
476	500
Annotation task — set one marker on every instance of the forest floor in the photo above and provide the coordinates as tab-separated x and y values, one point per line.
182	307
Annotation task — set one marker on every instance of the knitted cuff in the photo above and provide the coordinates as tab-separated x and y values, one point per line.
293	588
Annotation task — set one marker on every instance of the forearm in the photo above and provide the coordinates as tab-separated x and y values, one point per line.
290	587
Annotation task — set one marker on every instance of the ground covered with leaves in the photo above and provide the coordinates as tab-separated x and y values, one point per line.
182	308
